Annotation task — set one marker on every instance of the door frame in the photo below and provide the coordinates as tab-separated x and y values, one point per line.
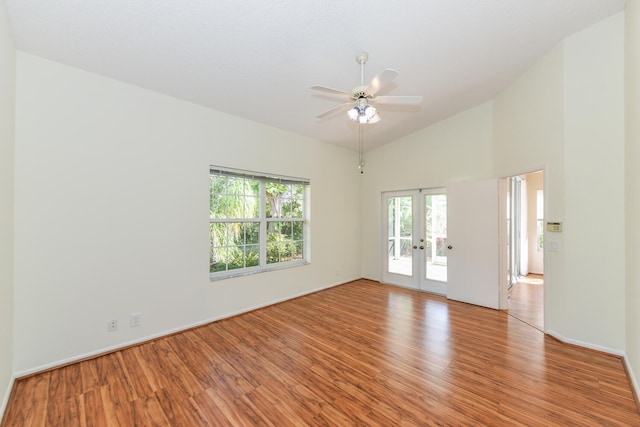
502	232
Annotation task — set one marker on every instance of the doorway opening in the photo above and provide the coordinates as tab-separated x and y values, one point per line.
525	248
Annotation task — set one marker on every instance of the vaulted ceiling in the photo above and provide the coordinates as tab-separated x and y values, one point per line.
257	59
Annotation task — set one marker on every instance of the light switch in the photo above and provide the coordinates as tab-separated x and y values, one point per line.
553	245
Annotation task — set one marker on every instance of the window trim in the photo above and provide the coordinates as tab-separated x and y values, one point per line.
263	221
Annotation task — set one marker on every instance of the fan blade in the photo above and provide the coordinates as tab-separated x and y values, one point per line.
341	107
398	100
380	81
332	91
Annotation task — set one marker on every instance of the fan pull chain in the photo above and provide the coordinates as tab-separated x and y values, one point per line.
361	148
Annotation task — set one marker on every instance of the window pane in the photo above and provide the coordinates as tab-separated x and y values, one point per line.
399	233
251	187
275	193
286	250
273	253
235	185
391	206
297	230
297	191
540	234
218	206
252	232
251	207
235	206
252	255
298	251
218	234
406	221
218	260
436	236
273	231
218	184
288	208
234	233
235	257
406	248
540	214
540	204
285	230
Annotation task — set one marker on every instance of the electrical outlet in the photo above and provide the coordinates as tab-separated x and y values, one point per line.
135	319
112	325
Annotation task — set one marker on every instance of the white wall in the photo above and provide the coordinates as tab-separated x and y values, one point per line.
632	195
593	301
564	116
7	89
111	210
535	182
456	149
528	129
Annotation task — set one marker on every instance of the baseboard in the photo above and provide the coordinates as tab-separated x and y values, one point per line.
633	382
5	401
602	349
147	338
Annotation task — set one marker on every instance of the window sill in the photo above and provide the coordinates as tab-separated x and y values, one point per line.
214	277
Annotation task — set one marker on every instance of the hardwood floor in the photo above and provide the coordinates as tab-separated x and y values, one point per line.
526	300
357	354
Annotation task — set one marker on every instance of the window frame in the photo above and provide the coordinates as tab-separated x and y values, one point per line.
263	220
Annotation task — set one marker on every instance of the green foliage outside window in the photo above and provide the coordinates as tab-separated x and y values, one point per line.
235	222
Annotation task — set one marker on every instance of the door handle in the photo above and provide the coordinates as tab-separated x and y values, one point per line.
449	247
415	247
421	247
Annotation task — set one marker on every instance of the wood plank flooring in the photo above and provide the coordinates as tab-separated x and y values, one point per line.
526	300
362	353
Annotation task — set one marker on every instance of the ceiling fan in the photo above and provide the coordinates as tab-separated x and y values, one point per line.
362	99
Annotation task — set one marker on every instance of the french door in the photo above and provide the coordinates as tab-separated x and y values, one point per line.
415	235
445	242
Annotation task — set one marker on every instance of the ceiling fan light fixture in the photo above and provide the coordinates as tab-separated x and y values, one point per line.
363	113
370	112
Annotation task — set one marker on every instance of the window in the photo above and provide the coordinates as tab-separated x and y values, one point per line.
257	222
540	218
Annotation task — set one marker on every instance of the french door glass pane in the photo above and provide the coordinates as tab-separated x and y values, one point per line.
436	237
400	235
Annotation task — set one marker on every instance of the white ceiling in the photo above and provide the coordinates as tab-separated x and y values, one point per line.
257	59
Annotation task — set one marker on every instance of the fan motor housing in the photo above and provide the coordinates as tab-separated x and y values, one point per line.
360	92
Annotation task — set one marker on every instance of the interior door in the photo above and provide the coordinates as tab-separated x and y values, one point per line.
472	243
